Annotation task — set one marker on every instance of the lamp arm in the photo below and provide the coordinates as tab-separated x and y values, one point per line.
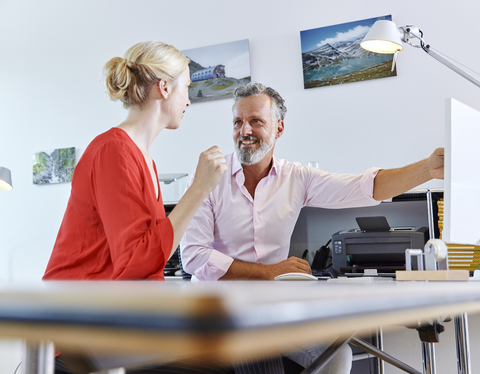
407	32
431	52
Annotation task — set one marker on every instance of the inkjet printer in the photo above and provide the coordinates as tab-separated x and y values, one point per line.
375	246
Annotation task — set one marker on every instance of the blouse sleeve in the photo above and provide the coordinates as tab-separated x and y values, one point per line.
140	242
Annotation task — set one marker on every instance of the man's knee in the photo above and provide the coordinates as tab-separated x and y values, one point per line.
339	363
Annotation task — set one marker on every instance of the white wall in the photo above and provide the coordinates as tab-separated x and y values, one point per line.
52	52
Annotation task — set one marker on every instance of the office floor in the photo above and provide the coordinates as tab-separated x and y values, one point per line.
401	343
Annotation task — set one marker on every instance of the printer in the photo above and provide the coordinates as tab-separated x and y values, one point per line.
375	246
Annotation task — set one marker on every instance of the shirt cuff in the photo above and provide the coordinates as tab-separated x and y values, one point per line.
368	181
215	268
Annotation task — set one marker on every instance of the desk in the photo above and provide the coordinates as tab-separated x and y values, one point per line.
221	320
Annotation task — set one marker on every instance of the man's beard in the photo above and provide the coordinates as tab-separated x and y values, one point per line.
252	156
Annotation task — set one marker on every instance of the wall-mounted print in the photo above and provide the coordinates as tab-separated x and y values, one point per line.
217	70
55	166
332	55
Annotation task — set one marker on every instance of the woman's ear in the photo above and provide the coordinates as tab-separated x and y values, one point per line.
163	88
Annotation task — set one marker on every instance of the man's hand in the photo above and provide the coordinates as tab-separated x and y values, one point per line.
393	182
290	265
436	163
240	270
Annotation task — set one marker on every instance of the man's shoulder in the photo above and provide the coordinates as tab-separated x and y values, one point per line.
286	167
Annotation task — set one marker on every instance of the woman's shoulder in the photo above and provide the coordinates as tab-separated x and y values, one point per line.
111	144
113	135
111	139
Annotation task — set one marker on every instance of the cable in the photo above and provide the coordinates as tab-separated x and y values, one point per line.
15	372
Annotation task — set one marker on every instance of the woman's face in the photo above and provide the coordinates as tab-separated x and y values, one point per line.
179	98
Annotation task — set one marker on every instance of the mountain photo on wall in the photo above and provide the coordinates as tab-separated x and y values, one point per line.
332	55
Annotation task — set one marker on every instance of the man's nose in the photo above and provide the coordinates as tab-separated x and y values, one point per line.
246	129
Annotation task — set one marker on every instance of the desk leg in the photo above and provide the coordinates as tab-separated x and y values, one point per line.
463	345
428	355
383	356
379	345
39	357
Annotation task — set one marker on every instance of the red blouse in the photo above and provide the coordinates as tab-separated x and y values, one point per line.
114	227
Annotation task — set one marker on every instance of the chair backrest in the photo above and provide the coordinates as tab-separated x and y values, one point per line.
185	275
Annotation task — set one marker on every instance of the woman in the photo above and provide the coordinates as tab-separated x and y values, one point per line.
115	226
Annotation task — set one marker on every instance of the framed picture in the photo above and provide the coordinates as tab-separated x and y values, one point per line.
54	166
217	70
332	55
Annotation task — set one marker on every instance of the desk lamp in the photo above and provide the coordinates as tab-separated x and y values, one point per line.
384	37
5	179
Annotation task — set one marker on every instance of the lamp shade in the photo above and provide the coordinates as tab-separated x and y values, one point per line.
5	179
383	37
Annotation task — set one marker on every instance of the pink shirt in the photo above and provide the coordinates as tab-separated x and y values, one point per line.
230	225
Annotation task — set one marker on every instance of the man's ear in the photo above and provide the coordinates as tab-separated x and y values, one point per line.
164	88
280	129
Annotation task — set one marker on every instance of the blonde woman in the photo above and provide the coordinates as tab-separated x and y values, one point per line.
115	226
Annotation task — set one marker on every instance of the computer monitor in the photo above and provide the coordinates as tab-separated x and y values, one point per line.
462	174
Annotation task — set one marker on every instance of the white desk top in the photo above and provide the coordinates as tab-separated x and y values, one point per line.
220	319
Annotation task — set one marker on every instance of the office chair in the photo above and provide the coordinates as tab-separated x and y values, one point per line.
185	275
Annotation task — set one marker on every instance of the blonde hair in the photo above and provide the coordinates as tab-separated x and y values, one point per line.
129	79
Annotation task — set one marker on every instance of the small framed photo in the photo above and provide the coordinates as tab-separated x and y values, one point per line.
54	166
217	70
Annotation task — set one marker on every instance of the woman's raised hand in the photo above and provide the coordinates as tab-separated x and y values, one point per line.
210	168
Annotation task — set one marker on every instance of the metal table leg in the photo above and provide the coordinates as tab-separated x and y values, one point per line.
39	357
463	345
379	341
382	355
428	356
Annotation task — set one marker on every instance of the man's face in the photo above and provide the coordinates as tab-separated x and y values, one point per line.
254	128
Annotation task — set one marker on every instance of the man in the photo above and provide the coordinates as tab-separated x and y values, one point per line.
243	228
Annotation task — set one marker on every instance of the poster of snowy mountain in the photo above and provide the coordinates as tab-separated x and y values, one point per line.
217	70
332	55
55	166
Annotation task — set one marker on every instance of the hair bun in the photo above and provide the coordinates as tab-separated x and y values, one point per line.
117	77
130	79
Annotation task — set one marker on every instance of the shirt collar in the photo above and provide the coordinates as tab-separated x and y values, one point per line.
237	166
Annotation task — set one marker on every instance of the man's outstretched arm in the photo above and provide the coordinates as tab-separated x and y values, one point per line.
393	182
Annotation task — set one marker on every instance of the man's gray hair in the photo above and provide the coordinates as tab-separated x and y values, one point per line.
253	89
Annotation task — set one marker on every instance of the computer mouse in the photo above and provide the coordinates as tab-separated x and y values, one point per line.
296	277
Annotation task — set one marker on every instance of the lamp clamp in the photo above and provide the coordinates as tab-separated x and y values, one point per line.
408	32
